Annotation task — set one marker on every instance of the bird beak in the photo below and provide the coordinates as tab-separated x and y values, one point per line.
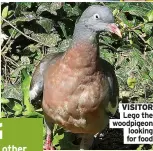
114	29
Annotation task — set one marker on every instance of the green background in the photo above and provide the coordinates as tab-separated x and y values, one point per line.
22	132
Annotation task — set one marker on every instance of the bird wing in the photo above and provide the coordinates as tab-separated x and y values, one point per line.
37	82
108	70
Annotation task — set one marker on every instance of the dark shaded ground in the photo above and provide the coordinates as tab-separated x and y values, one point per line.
112	139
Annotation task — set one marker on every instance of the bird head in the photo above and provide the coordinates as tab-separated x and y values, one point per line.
98	18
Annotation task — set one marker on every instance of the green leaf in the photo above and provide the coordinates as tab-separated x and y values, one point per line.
150	41
39	55
150	15
115	11
4	101
25	60
32	114
5	12
57	139
24	4
125	20
136	58
134	10
64	45
108	56
28	16
151	74
17	113
50	7
72	11
22	7
14	34
145	73
10	13
2	114
14	106
124	48
46	23
148	29
131	81
47	39
12	91
63	28
25	85
107	39
17	71
17	107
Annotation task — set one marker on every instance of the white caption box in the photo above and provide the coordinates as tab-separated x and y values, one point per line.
136	119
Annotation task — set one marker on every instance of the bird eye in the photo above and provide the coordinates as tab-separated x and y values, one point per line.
96	16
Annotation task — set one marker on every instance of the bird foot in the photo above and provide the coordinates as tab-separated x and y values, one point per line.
48	144
48	148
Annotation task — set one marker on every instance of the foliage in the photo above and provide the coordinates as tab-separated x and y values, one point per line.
32	30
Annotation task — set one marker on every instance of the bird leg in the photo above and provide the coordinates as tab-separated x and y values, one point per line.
48	141
86	142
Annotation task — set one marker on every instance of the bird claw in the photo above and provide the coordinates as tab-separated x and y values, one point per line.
48	147
48	144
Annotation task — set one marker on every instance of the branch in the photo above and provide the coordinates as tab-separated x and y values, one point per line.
28	37
142	38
